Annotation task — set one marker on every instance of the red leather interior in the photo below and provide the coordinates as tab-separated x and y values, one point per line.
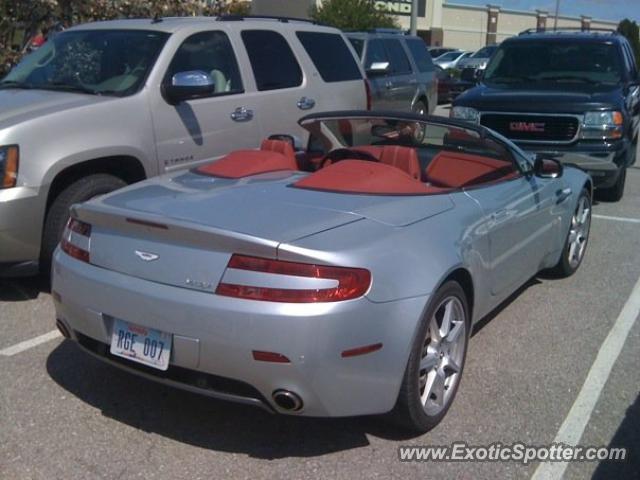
404	158
280	146
457	170
243	163
361	176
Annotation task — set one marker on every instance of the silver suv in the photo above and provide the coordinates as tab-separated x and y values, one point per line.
400	70
107	104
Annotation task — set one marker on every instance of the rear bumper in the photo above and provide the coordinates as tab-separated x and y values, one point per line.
214	336
20	229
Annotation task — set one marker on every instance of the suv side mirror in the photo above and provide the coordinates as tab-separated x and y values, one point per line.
378	68
189	85
545	167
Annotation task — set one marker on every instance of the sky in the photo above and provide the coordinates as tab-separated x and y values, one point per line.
600	9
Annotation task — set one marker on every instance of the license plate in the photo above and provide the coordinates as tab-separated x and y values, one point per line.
141	344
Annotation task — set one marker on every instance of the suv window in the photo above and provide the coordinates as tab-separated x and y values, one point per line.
330	55
358	45
212	53
420	55
555	61
399	60
375	53
272	61
633	70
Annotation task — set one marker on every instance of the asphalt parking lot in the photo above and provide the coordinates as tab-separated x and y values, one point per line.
65	415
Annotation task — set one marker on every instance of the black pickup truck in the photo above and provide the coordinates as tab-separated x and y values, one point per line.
573	95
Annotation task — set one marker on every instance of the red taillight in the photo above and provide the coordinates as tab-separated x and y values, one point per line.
367	89
351	282
272	357
75	239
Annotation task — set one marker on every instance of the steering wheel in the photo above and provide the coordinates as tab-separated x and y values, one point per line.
340	154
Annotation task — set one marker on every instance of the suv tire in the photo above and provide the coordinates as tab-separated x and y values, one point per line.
614	193
80	191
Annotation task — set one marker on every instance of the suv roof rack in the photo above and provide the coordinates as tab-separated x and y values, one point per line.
395	31
530	31
241	18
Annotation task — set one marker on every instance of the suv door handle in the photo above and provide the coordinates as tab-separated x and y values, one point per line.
241	114
306	103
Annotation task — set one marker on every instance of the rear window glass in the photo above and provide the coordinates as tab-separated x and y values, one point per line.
330	55
399	60
420	55
272	61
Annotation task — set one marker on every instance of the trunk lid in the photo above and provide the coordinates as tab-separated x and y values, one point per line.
182	229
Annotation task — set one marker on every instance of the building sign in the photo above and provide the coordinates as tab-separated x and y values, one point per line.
400	7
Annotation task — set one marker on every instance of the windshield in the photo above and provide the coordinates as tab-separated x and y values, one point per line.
101	62
449	56
484	52
555	61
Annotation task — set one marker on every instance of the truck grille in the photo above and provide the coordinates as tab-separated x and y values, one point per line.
468	74
533	128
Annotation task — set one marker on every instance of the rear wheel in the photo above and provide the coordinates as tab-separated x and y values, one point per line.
80	191
577	238
436	361
614	193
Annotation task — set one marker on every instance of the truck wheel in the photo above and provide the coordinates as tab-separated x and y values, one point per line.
80	191
614	194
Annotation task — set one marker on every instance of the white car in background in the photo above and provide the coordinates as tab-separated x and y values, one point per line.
451	59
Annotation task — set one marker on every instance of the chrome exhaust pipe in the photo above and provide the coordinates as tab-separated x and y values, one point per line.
287	400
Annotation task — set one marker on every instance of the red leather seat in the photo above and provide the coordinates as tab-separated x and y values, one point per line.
280	146
404	158
457	170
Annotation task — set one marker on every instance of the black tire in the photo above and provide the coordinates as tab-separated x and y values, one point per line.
419	107
409	412
565	267
80	191
614	193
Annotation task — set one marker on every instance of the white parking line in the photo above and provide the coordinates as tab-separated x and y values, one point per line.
573	426
617	219
27	344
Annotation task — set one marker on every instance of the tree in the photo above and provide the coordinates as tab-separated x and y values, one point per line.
630	30
352	15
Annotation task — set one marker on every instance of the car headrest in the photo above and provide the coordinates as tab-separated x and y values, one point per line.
404	158
279	146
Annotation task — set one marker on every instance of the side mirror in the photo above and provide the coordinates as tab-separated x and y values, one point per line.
378	68
189	85
545	167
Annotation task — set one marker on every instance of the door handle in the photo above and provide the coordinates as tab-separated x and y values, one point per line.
563	194
241	114
500	215
306	103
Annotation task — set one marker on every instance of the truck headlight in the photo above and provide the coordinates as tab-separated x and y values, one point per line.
466	113
605	125
9	159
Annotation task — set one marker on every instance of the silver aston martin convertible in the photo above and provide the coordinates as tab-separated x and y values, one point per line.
343	279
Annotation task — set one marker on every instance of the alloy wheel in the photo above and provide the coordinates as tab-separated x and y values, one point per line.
579	232
442	355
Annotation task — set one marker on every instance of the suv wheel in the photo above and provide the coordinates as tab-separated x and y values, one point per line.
80	191
421	108
614	194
